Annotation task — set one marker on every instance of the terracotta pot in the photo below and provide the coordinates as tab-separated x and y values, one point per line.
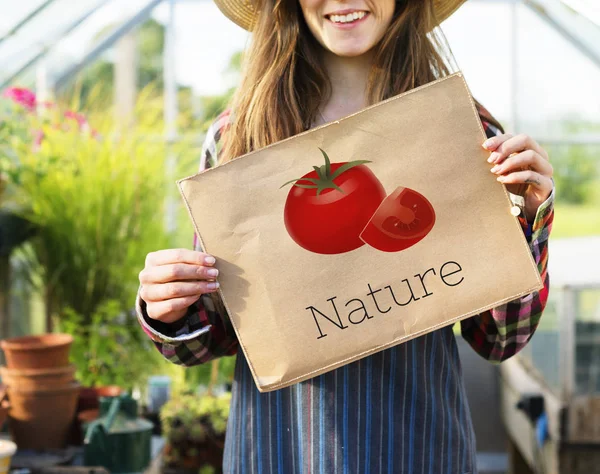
37	352
42	418
87	416
4	406
4	409
38	378
89	397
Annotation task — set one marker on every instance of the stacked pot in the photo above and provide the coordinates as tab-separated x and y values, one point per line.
42	390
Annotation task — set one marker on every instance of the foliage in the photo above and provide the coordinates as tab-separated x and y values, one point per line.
110	349
212	106
98	201
14	130
201	374
576	221
576	171
97	80
194	428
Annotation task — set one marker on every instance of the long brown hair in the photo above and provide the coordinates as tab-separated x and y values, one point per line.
284	81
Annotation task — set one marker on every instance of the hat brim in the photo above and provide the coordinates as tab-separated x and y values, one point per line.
243	14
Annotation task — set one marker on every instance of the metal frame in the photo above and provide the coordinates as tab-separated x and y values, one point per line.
26	20
60	81
49	44
567	344
590	48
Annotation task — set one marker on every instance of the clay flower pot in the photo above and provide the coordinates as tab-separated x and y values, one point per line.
42	418
38	378
4	409
89	397
37	352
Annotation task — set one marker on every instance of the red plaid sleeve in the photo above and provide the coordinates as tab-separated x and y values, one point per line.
205	333
501	332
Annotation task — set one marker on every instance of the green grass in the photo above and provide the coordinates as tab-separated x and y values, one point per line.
576	221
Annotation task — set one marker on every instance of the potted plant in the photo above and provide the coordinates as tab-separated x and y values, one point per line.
97	198
194	427
14	229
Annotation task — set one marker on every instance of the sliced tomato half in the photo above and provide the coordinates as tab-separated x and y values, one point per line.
403	218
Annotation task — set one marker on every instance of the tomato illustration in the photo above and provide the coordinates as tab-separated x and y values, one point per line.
326	209
404	218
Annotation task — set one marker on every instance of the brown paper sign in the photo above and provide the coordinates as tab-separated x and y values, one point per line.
392	226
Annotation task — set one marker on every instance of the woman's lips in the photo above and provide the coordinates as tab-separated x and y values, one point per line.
348	25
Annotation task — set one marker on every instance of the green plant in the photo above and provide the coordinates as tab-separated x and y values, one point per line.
194	428
110	349
98	200
16	120
576	173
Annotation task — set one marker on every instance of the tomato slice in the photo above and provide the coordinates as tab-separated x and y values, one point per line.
404	218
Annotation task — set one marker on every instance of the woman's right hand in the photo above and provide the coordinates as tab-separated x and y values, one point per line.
173	280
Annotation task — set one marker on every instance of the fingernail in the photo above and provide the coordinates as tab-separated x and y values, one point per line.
213	285
493	157
495	169
500	178
488	144
213	272
209	260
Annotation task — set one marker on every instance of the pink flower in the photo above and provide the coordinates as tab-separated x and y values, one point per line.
21	96
79	118
38	137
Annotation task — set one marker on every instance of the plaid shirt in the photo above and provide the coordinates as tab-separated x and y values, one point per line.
395	411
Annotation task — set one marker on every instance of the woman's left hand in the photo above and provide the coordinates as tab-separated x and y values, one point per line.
520	160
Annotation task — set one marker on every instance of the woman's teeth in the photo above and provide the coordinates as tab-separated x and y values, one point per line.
350	17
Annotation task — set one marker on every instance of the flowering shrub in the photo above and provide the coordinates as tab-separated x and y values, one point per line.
22	123
22	97
98	204
97	199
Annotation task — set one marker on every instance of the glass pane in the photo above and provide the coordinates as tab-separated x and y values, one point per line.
68	50
587	342
577	178
554	101
40	33
523	84
543	351
588	8
62	35
17	12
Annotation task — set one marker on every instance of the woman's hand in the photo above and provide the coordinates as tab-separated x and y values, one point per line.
173	280
520	161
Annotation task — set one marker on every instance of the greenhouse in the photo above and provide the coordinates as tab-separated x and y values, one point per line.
105	105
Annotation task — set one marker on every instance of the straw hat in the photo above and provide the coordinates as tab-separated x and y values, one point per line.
243	13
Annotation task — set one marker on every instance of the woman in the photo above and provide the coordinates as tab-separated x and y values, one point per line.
404	409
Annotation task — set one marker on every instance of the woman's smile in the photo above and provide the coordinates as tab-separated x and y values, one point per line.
348	28
347	19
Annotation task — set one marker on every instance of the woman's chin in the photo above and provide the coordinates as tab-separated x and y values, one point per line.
349	51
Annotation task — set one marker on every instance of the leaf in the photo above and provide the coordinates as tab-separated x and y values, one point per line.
329	185
347	166
312	180
307	186
327	163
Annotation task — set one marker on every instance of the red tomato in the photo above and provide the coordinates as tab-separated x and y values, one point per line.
326	211
404	218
